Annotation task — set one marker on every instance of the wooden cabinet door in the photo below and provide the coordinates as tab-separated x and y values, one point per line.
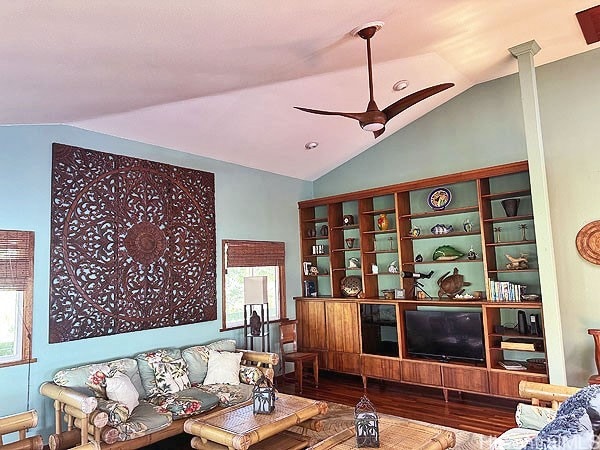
471	379
507	384
342	327
311	325
421	373
378	367
343	362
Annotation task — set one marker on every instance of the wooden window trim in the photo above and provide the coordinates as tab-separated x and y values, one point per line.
252	254
16	272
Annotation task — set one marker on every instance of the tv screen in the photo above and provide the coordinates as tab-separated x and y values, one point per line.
445	335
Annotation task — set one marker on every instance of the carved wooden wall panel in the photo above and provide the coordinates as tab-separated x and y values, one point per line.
133	245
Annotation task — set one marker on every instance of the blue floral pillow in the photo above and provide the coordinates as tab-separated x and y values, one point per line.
587	398
571	431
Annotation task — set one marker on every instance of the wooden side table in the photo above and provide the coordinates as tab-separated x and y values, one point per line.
595	332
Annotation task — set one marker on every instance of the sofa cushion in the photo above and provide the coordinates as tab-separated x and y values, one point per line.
196	358
186	402
533	417
89	379
513	439
117	412
223	368
587	398
567	432
119	388
170	376
228	394
145	419
147	372
250	374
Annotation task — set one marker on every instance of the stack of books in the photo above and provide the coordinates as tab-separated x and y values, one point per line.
532	345
505	291
512	365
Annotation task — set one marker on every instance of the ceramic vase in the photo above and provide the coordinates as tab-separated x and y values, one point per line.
382	222
510	205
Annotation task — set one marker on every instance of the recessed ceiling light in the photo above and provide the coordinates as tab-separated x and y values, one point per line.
400	85
311	145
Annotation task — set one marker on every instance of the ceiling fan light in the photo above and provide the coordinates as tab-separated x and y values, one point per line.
373	126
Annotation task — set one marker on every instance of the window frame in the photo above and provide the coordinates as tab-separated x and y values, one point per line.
16	274
260	260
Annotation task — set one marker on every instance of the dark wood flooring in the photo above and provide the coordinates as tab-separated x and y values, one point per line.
479	414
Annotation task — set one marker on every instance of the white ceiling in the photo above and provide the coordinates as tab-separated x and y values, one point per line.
220	78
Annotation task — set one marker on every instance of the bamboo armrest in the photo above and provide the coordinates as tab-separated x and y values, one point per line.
545	392
68	396
271	359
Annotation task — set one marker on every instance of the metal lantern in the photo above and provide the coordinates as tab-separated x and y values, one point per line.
263	396
366	423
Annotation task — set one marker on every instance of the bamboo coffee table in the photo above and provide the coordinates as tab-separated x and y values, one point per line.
238	427
394	434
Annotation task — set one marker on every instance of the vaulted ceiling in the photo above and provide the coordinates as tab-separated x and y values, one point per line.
220	79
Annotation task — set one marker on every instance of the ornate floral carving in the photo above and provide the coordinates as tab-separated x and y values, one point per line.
133	245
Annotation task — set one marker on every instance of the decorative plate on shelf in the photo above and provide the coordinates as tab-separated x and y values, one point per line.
439	198
588	242
351	286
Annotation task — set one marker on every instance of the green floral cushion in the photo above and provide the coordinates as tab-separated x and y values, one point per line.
117	412
229	394
186	402
147	374
90	380
145	419
196	358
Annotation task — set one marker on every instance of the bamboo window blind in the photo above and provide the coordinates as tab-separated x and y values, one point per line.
254	253
16	259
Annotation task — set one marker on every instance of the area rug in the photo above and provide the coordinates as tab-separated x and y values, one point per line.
339	417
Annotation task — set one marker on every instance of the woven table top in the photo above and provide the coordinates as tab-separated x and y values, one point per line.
395	435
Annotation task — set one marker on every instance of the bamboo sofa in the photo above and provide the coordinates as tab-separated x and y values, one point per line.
163	387
20	423
554	419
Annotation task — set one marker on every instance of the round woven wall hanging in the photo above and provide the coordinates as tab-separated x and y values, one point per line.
588	242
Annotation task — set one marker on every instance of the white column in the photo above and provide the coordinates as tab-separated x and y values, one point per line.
541	210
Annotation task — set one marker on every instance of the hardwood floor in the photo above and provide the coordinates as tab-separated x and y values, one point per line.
479	414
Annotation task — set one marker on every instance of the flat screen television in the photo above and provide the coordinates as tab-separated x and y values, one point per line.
444	335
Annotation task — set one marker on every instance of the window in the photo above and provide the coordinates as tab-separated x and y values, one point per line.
16	295
252	258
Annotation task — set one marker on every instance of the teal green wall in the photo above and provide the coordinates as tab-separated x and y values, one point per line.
484	127
250	204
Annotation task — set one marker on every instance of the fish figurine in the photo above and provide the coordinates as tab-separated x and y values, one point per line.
441	229
446	253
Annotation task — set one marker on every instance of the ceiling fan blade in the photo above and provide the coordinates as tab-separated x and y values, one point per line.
378	132
357	116
412	99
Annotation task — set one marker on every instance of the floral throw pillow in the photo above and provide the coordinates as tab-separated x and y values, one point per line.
250	374
170	376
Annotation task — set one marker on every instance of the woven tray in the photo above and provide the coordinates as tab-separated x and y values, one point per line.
588	242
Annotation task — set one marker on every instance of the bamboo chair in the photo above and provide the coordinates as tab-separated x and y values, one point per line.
288	339
595	379
20	423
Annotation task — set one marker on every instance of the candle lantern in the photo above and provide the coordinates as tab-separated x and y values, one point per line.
263	396
366	423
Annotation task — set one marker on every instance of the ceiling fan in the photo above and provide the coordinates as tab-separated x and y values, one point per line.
374	119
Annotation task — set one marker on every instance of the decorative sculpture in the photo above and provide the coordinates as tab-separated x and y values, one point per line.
517	263
452	285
